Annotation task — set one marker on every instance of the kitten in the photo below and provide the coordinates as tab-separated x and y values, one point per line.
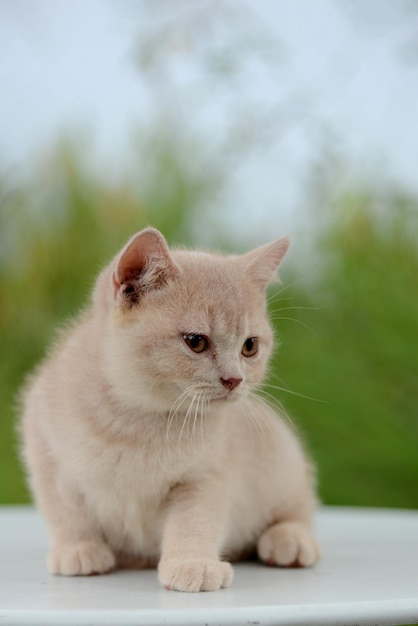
143	440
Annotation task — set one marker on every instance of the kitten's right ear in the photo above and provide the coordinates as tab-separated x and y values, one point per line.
263	262
144	264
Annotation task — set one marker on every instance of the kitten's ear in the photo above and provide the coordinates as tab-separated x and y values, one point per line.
144	264
262	263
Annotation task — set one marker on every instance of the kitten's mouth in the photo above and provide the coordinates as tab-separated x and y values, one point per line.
228	396
225	395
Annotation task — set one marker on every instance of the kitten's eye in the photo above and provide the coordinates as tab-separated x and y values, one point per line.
197	343
250	347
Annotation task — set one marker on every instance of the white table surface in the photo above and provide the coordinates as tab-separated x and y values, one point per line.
368	575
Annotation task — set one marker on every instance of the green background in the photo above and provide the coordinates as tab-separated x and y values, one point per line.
346	313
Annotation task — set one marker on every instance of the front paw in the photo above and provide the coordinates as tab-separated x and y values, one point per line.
288	543
195	574
80	559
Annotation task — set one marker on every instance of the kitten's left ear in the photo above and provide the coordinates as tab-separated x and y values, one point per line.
144	264
263	262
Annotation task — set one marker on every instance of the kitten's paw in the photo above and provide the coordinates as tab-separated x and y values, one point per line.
288	544
195	574
81	559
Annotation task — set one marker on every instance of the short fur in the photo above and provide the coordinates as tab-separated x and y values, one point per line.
140	452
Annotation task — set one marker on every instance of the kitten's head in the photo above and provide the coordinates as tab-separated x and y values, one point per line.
183	324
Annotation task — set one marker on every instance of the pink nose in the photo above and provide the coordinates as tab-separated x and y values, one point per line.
231	383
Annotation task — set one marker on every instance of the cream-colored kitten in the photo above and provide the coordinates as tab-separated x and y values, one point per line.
143	442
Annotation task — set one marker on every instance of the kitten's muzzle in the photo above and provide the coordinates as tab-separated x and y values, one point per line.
230	383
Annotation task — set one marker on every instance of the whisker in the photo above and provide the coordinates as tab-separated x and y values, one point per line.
175	409
295	393
196	411
293	319
185	421
266	427
192	417
301	308
274	298
203	416
272	400
275	404
249	415
295	282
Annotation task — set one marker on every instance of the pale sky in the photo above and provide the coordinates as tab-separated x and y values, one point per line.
69	66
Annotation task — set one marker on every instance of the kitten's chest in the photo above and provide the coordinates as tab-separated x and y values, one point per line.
127	497
133	473
126	483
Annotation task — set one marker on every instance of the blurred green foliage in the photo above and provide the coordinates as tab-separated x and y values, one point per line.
57	230
347	368
359	360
